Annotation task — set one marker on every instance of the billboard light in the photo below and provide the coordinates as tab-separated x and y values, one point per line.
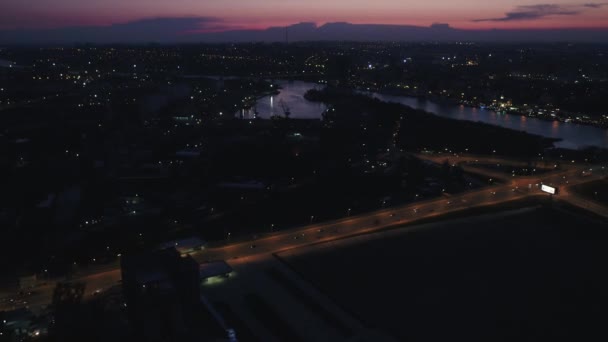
548	189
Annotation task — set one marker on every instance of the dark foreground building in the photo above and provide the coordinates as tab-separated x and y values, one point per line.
164	303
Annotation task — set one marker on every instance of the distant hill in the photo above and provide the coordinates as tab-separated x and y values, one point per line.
374	32
181	30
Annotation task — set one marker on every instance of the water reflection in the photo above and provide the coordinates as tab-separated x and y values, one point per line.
461	112
292	96
572	135
555	128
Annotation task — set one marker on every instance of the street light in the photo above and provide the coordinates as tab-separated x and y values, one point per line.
348	212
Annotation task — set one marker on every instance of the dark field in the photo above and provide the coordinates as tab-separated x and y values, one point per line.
595	191
534	275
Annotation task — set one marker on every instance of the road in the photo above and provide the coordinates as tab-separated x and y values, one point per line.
509	189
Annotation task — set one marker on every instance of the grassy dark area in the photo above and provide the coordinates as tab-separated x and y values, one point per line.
596	191
419	130
243	332
270	318
535	275
309	302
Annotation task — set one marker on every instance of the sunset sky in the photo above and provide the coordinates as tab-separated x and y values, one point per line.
258	14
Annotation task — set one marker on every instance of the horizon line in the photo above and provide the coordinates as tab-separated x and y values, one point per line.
316	26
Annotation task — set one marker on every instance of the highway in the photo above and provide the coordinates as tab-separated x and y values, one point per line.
509	189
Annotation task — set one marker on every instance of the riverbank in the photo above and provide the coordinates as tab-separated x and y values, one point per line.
416	129
567	135
551	114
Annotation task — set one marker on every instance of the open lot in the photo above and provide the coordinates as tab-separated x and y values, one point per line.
532	274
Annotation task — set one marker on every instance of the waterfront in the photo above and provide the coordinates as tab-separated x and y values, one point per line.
572	135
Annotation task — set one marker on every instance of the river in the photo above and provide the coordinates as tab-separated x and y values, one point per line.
292	95
572	135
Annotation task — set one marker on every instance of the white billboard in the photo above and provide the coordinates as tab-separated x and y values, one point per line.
548	189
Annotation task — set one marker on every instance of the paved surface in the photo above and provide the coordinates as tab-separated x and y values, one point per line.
511	188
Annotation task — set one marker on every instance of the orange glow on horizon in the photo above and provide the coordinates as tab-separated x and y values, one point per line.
262	14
